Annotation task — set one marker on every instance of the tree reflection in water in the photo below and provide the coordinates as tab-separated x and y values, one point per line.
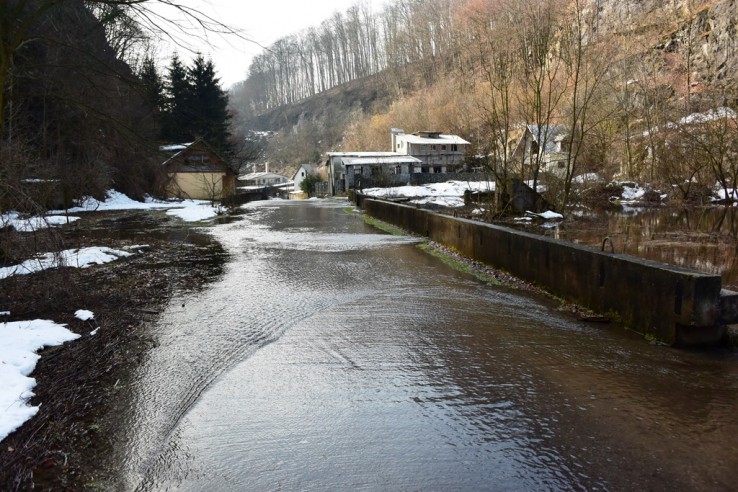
704	238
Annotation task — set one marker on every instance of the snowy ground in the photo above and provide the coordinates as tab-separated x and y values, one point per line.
187	210
448	194
19	340
76	258
18	358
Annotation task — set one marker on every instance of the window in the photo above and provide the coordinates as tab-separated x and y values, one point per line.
397	170
433	147
437	169
443	147
357	170
424	169
454	148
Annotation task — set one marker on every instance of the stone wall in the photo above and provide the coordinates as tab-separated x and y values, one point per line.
676	305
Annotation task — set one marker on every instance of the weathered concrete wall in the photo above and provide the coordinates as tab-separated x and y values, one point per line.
676	305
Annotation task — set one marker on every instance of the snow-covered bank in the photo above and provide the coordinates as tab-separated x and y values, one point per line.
18	358
76	258
30	224
187	210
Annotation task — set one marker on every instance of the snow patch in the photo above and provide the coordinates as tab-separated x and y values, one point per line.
76	258
587	178
188	210
84	314
449	194
18	358
194	211
547	215
31	224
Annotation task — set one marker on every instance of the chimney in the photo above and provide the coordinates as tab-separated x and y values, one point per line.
266	167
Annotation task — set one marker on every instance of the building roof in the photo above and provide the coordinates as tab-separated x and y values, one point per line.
174	147
379	160
550	134
363	154
418	138
180	149
308	168
261	175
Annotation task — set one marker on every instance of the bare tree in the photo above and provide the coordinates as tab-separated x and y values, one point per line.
587	63
542	89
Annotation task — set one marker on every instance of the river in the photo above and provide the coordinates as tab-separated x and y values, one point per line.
331	356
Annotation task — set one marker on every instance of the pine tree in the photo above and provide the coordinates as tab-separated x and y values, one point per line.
176	126
208	105
152	89
196	106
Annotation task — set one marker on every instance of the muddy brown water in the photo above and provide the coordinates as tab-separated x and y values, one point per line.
330	356
701	238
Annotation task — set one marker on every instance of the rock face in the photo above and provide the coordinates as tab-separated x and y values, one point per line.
697	37
716	59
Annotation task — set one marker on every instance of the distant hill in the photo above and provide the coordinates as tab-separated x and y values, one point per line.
364	94
660	60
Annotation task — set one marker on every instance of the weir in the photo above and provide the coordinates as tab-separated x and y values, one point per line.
678	306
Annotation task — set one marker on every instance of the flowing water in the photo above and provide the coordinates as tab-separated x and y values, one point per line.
330	356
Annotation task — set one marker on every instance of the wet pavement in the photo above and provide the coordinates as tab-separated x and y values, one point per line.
330	356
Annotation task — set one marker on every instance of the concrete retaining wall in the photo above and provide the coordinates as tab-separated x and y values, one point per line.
676	305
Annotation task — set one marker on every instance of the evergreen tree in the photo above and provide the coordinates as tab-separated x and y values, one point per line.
208	105
195	105
152	89
176	122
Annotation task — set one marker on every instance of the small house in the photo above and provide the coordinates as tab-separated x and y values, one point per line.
195	171
438	152
364	172
303	172
263	179
336	165
546	145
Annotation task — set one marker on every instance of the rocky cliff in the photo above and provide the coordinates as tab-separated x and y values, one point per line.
695	40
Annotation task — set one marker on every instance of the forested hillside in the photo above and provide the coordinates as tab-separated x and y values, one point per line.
624	77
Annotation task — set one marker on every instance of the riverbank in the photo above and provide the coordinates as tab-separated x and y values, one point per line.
81	385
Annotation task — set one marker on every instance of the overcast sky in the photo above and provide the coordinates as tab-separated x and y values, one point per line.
264	21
